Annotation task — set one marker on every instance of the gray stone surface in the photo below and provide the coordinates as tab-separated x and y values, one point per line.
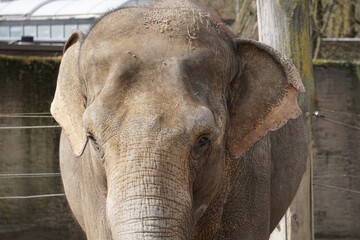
27	86
336	151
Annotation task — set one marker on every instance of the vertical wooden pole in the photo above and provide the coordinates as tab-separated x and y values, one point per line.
237	7
284	25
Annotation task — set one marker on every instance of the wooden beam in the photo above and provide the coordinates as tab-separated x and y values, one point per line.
284	25
31	50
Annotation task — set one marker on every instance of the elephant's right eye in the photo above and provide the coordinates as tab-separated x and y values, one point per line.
96	145
203	142
200	147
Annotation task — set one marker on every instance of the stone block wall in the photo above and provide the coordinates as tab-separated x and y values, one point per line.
27	85
336	149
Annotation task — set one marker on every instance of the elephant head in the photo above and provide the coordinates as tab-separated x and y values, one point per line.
161	101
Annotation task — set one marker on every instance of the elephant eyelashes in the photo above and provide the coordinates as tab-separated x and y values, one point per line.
96	145
200	147
203	142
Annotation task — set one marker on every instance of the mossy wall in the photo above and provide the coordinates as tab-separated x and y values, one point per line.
27	85
336	152
340	50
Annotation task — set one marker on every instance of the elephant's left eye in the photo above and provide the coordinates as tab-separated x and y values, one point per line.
200	147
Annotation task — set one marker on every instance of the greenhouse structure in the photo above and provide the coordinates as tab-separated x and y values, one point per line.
52	21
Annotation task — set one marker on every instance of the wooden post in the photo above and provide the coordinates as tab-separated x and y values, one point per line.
284	25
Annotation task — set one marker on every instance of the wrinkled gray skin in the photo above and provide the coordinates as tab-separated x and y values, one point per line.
174	129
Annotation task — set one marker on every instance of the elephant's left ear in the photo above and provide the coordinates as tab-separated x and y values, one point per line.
263	98
68	105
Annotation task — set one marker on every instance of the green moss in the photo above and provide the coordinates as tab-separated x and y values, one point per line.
316	104
288	6
332	63
30	78
353	72
29	59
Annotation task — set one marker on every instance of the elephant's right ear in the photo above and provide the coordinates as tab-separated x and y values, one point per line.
263	97
68	105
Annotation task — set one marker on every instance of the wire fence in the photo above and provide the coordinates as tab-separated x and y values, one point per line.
62	194
23	116
336	188
30	127
317	115
33	196
322	117
341	112
37	113
29	175
37	175
336	176
27	115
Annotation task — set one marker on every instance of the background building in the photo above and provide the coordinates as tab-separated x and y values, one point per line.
52	21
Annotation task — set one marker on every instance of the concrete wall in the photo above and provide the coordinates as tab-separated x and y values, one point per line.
27	85
336	149
336	49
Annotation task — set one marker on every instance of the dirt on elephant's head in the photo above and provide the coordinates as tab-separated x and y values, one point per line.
188	22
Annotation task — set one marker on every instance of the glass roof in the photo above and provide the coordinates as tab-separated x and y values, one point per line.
111	4
3	4
60	8
79	7
21	7
51	8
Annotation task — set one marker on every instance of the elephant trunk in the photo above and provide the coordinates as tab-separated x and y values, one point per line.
149	196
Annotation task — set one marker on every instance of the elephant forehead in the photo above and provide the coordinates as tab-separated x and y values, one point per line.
146	49
152	35
153	57
187	23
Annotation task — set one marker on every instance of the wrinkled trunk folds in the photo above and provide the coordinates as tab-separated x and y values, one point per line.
149	196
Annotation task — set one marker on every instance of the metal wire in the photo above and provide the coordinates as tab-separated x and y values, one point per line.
14	114
29	175
342	112
332	176
23	116
33	196
37	115
316	114
30	127
337	188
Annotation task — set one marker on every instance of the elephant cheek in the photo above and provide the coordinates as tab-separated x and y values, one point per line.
149	198
208	182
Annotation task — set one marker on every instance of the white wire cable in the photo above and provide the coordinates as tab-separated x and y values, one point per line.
23	116
14	114
341	112
336	188
316	114
33	196
29	175
30	127
337	176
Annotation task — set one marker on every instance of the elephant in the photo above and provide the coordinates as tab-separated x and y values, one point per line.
174	128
